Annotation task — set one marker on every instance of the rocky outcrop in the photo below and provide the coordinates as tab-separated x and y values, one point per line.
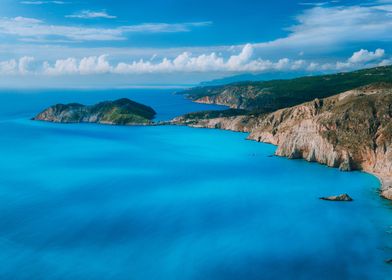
118	112
341	197
350	131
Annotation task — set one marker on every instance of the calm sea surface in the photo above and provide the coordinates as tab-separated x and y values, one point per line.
91	201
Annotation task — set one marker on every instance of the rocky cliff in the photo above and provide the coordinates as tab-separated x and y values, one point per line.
350	131
119	112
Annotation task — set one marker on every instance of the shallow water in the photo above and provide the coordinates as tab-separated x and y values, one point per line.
103	202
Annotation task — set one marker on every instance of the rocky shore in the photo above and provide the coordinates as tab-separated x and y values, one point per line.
350	131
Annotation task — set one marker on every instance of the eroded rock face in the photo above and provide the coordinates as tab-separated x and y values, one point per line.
350	131
120	112
341	197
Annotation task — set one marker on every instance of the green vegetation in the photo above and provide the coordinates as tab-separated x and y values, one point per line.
122	112
215	114
269	96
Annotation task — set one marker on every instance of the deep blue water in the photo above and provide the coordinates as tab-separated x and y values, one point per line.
103	202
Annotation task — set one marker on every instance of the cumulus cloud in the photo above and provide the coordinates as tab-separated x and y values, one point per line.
366	56
186	62
36	29
87	14
87	65
359	59
16	67
206	63
24	64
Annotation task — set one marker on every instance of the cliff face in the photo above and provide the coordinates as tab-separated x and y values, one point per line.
120	112
232	96
351	131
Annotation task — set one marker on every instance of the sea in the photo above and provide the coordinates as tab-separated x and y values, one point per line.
88	201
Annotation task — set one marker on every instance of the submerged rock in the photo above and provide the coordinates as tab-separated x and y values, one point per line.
341	197
389	261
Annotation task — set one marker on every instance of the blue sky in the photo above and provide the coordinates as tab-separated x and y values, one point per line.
123	43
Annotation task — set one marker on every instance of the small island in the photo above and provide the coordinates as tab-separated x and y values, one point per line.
119	112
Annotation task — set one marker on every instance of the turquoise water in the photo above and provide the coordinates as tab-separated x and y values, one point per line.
103	202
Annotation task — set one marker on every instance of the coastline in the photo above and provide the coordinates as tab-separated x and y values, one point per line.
385	188
385	184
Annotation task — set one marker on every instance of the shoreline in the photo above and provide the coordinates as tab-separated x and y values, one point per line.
385	188
385	184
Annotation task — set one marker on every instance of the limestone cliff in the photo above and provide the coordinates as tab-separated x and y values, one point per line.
351	130
120	112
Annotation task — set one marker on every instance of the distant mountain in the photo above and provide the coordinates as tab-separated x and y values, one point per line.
120	112
253	78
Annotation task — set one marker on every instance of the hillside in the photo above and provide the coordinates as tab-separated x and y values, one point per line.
269	96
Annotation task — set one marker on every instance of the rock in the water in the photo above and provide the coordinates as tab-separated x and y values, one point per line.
342	197
389	261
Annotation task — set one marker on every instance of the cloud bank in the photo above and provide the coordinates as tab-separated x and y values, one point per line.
242	62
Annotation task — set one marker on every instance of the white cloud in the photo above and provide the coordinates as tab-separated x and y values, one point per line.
317	4
366	56
24	63
359	59
320	30
208	63
16	67
87	14
35	29
87	65
43	2
188	63
26	21
243	57
164	27
8	67
385	62
329	28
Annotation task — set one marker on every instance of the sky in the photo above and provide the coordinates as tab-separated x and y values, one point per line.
120	43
